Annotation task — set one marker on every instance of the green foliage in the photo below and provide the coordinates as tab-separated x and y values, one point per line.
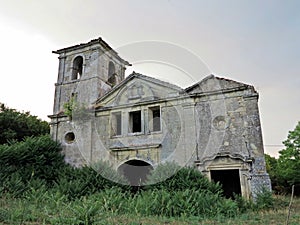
34	158
271	165
76	111
189	202
104	170
77	182
289	159
80	211
69	107
284	171
243	204
38	161
272	168
162	172
182	179
264	200
15	126
112	206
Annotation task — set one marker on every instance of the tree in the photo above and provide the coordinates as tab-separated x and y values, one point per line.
271	166
15	125
288	166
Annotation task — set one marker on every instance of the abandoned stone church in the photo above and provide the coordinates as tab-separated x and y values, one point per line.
138	122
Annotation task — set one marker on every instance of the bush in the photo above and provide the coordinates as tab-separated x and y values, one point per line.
182	179
32	159
104	170
39	160
264	200
78	182
15	126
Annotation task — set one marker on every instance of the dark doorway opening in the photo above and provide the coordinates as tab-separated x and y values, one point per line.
230	181
135	171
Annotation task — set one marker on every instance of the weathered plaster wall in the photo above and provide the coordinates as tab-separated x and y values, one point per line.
214	124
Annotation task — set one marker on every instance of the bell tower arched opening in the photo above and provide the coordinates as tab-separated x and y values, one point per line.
77	68
135	171
112	79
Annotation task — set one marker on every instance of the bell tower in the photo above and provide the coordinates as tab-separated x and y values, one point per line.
86	72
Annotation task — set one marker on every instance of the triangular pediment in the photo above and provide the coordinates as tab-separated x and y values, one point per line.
138	88
212	83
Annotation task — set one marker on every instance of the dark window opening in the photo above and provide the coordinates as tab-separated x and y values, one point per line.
135	171
77	68
116	124
135	121
112	78
230	181
69	137
155	123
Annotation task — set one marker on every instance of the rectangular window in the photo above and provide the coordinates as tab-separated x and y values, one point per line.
135	122
154	119
116	123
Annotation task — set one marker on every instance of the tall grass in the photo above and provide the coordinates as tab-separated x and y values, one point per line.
49	206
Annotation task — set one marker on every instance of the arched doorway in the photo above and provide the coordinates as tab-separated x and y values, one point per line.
135	171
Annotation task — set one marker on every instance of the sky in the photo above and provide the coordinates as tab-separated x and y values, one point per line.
255	42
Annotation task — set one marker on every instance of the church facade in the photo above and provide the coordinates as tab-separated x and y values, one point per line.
136	123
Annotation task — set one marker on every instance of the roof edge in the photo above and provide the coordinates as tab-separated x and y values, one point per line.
99	40
141	76
212	76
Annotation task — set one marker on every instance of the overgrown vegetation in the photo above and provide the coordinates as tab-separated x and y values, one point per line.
38	187
284	171
75	110
24	163
15	125
37	161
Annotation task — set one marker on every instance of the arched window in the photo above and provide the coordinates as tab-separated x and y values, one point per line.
112	79
77	68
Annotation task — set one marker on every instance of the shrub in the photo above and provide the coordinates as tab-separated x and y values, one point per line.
264	199
34	158
77	182
182	179
105	170
16	125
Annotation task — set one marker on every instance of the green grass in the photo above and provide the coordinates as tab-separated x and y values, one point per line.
44	207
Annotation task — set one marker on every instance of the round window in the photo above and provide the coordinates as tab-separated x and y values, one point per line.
69	137
219	122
